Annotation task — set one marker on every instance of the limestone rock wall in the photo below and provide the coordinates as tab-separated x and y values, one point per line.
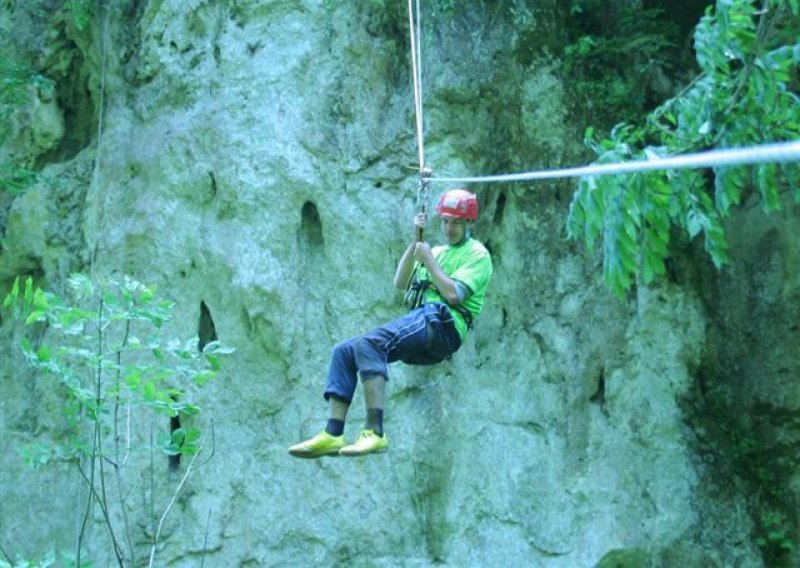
260	158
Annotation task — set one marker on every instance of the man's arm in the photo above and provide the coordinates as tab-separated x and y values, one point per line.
406	265
447	287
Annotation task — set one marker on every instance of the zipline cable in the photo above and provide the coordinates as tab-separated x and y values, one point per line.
778	152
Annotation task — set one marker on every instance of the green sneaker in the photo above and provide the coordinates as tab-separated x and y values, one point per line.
368	442
323	444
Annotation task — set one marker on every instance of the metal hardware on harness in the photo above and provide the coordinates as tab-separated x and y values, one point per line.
415	291
422	194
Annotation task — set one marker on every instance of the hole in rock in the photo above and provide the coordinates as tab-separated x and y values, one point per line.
311	225
174	425
500	208
206	330
599	396
206	333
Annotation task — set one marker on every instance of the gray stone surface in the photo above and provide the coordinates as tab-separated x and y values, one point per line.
260	158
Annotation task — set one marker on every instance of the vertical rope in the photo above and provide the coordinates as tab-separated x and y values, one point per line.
96	173
421	121
417	80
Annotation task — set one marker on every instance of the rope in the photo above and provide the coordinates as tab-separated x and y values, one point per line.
416	47
97	167
766	153
416	53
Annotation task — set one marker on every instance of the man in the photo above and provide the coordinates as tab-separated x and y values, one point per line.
446	287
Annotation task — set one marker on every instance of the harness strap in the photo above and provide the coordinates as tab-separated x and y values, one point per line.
415	292
467	315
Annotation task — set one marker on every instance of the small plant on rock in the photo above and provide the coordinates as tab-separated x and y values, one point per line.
103	351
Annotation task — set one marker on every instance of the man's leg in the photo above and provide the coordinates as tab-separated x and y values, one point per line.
374	393
339	388
371	440
368	354
391	342
337	415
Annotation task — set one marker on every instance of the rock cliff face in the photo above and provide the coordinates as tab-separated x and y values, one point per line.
258	159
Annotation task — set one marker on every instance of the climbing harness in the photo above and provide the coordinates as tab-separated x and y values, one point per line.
422	196
415	291
415	295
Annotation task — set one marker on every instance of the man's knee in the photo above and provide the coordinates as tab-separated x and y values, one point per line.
346	346
370	375
338	397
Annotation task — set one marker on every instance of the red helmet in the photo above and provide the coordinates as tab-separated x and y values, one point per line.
458	203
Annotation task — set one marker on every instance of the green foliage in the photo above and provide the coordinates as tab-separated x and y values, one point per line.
442	9
750	461
109	352
81	11
48	560
609	63
776	540
744	96
105	353
15	80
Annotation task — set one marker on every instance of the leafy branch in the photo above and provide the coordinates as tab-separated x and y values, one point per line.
744	96
107	356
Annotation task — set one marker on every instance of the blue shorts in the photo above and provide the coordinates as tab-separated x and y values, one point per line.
424	336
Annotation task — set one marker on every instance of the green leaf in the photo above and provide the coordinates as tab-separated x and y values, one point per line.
694	223
12	296
146	295
217	347
768	187
43	354
28	290
728	184
34	317
40	300
213	362
190	410
134	378
149	391
193	434
178	436
82	285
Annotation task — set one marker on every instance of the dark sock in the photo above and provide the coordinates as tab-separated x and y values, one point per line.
375	420
334	427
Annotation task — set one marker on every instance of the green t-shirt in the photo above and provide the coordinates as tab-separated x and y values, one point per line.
468	263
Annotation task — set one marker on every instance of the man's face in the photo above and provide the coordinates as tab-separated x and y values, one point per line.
453	229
